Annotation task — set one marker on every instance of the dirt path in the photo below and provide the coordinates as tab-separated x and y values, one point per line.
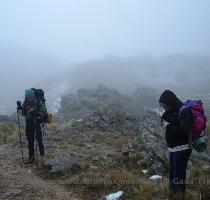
21	182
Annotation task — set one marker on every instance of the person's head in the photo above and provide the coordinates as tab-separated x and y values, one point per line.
29	95
165	107
168	100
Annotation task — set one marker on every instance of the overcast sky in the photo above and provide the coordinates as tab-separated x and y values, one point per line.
41	38
80	30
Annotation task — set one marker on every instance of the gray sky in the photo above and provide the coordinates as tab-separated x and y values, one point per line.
40	39
80	30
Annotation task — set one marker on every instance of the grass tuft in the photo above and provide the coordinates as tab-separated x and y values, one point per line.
8	132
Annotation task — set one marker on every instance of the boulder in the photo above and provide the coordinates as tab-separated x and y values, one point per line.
152	141
62	162
101	109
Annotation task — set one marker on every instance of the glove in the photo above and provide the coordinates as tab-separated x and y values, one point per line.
19	106
164	124
19	103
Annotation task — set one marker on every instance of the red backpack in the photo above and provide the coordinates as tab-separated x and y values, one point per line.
199	118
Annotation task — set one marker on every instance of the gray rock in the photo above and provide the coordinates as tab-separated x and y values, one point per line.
142	163
127	148
157	167
101	109
152	140
13	192
190	165
62	162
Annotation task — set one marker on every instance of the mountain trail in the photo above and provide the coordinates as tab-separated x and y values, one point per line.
23	182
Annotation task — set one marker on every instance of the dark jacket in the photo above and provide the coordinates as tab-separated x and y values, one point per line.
180	122
34	110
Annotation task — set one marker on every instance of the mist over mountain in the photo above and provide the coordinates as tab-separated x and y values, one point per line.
179	72
187	75
147	76
22	68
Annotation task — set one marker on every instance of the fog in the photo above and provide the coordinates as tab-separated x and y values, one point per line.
81	30
119	43
21	69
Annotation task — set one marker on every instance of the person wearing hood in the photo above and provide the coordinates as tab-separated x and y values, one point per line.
34	112
177	124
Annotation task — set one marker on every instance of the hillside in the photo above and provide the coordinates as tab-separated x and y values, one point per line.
187	75
126	74
101	142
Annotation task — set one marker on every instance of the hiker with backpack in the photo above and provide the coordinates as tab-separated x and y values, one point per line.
184	124
35	114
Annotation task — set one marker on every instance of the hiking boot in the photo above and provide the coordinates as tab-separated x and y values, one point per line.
176	196
30	161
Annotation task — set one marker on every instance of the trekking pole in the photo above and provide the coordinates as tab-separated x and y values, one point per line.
37	157
42	129
21	143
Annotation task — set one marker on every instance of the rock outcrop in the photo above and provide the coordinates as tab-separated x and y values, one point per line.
152	142
102	108
62	162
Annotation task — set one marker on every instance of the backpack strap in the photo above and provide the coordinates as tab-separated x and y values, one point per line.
190	140
181	109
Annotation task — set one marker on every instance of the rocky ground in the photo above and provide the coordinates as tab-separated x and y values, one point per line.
75	167
23	182
91	164
99	149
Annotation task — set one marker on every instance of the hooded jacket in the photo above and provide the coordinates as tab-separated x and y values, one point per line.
179	122
34	110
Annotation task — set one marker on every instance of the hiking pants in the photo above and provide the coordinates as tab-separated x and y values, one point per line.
34	130
177	173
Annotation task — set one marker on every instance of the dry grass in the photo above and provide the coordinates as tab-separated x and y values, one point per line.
208	131
124	175
208	127
95	185
56	127
129	162
3	185
120	141
8	132
199	182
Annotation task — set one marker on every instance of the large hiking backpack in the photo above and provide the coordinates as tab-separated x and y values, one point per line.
197	140
199	118
39	94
